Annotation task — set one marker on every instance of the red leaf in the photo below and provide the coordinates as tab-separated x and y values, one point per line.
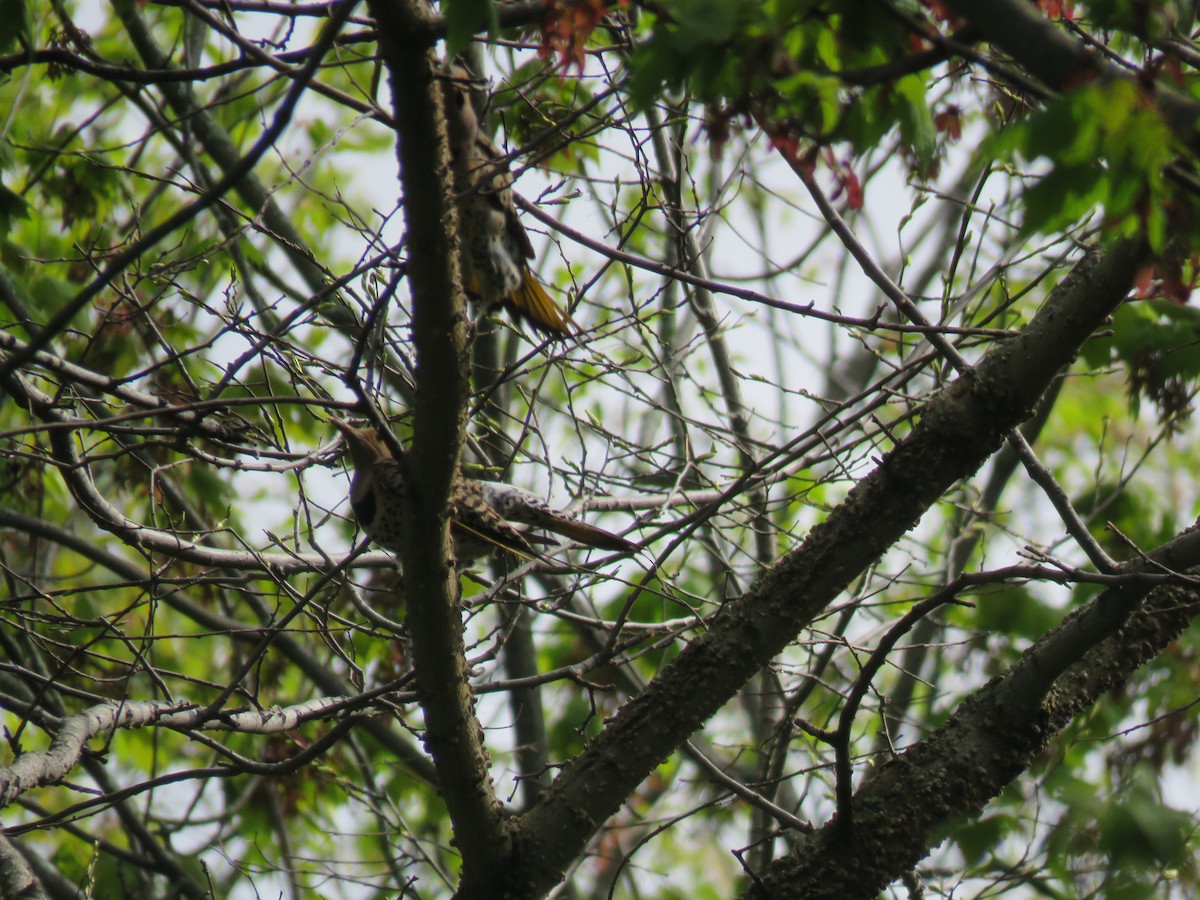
854	190
1058	9
1143	281
949	122
943	13
786	144
566	27
1163	279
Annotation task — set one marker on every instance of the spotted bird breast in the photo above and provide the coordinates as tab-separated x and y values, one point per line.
492	255
478	529
380	508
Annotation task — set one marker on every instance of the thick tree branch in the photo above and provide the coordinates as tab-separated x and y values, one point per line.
961	427
16	879
529	721
909	310
1061	62
154	540
35	769
901	811
453	733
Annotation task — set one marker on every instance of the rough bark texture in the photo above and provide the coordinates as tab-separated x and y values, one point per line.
452	732
900	813
959	430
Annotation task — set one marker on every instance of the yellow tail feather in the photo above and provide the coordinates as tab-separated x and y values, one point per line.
531	301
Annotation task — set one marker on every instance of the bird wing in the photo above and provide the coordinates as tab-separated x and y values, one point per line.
518	505
588	535
474	516
532	302
480	165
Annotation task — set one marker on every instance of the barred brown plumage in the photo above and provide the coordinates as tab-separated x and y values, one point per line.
481	511
495	246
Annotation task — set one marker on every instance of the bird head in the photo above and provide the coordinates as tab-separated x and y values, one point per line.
365	445
462	121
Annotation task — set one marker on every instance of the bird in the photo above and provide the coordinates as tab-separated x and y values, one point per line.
496	249
482	513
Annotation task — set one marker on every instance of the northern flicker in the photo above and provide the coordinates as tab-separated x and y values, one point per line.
495	246
481	512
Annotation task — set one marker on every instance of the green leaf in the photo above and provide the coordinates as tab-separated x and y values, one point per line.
1063	197
1012	609
1138	829
816	98
1107	148
14	24
703	23
464	19
916	121
12	206
1160	329
978	839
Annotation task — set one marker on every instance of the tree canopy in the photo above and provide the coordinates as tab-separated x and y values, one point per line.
882	354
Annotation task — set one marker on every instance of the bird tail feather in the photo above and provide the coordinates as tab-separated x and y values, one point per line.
520	548
590	535
530	301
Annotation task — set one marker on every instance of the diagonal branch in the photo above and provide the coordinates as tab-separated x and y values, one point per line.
1061	62
153	540
960	428
901	812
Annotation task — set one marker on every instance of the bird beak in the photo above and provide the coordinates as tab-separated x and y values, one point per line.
349	434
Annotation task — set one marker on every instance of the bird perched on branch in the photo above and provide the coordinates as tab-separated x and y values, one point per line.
495	246
482	513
